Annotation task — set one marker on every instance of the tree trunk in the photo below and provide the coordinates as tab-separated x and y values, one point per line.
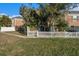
53	27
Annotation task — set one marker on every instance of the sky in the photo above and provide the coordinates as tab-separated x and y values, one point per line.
12	9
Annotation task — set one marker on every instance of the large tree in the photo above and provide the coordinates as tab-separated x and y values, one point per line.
52	15
47	16
28	15
25	13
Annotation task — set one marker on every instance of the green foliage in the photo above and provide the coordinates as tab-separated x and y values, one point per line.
5	21
27	13
0	22
23	29
62	25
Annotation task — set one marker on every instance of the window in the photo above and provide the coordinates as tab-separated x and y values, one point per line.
78	17
75	17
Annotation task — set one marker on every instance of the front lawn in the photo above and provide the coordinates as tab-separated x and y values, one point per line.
50	47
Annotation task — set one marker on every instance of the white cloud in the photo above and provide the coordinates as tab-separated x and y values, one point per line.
3	14
10	16
15	16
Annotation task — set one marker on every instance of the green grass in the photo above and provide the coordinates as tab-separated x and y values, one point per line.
39	47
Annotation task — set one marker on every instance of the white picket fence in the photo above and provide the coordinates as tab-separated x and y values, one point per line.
53	34
7	29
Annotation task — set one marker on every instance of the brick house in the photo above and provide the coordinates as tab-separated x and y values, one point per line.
72	18
17	22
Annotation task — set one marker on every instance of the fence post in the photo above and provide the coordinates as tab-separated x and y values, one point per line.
65	34
76	34
37	33
27	31
51	34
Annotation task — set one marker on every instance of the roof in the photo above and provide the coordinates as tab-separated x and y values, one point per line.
73	12
18	17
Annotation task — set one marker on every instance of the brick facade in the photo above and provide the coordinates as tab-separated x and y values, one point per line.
71	21
17	22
